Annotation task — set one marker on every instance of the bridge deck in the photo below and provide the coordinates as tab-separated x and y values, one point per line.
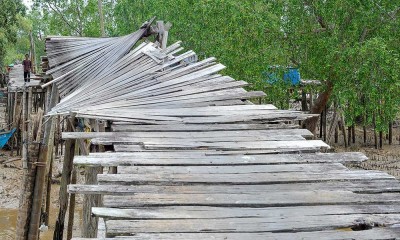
236	184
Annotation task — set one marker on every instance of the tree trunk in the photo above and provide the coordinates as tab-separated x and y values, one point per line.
103	33
318	106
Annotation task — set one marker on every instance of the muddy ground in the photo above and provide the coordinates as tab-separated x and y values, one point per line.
10	185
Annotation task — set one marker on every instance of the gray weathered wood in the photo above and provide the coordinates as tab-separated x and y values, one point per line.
204	212
200	158
362	186
272	224
383	233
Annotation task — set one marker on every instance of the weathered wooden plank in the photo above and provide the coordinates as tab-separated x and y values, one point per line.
240	178
203	212
133	140
317	168
200	158
256	145
362	186
273	199
188	135
129	127
217	151
272	224
382	233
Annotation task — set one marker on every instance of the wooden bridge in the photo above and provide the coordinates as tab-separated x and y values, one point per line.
195	159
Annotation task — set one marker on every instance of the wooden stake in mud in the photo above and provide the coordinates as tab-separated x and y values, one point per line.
90	223
65	180
375	133
28	182
71	209
343	130
48	192
349	135
24	131
45	154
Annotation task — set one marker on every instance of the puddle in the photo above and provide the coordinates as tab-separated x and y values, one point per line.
8	222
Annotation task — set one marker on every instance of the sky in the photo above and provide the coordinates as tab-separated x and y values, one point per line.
28	3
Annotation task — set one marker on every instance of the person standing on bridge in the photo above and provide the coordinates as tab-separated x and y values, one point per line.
27	68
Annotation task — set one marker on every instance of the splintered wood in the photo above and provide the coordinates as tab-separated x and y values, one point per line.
196	160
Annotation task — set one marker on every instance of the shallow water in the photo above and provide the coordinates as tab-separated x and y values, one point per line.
8	222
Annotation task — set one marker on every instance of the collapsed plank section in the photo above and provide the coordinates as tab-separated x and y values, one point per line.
193	158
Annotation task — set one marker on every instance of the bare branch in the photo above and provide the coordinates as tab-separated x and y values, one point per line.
80	18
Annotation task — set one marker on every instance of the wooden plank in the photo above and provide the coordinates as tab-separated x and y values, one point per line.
204	212
256	145
362	186
382	233
133	140
317	168
273	199
188	135
129	127
200	158
273	224
240	178
218	151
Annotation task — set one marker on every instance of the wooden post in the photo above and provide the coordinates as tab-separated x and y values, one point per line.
25	200
29	119
28	184
46	152
304	106
57	139
375	133
71	209
344	130
65	180
336	134
8	109
24	131
324	125
321	120
333	127
48	191
349	135
90	223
